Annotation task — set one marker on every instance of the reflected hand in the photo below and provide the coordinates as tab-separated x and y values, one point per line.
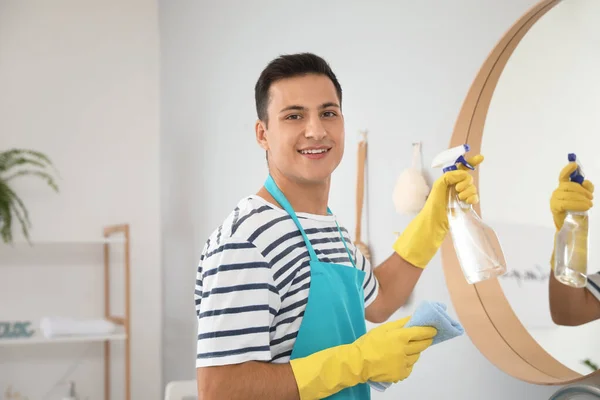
570	196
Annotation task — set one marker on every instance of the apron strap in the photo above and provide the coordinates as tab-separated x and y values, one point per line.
278	195
343	241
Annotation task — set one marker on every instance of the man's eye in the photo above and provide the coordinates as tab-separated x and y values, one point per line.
329	114
293	116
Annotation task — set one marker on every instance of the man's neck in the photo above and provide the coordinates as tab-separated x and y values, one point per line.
305	198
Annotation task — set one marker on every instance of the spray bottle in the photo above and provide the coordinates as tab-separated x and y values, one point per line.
476	244
477	247
571	241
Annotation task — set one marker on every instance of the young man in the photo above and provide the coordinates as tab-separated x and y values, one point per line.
572	306
282	293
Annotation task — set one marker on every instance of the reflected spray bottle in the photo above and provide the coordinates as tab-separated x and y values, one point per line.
572	240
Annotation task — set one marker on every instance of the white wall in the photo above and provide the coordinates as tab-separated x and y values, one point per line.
79	81
549	93
405	68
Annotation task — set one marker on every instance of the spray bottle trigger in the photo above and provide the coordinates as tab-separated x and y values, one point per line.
464	162
577	175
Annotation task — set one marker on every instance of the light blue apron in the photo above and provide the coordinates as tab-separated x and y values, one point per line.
335	312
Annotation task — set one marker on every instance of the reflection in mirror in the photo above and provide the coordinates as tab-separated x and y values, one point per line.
546	105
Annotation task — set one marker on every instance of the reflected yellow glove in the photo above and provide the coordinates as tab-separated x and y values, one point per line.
422	238
386	353
569	196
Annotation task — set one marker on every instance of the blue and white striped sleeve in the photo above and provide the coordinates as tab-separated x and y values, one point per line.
593	284
236	302
370	283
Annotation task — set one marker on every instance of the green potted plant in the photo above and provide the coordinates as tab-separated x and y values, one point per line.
15	163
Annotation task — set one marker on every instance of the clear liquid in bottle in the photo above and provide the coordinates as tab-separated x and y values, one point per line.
571	241
476	244
571	250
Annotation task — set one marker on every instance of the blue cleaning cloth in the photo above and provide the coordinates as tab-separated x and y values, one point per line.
430	313
433	313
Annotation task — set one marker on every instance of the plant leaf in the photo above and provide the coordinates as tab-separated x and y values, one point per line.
6	155
14	157
17	162
5	218
22	214
49	180
590	364
11	204
16	206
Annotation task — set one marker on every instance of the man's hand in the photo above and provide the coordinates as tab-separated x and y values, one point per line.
386	353
422	238
414	248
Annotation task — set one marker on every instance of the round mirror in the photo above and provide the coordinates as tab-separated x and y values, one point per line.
534	101
545	105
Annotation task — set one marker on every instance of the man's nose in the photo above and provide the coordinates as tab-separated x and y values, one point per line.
315	129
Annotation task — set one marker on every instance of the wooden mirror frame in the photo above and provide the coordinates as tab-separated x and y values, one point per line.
482	308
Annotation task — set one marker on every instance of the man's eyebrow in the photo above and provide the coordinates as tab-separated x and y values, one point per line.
301	108
329	104
293	107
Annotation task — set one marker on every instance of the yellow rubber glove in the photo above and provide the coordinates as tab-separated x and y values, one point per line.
422	238
386	353
569	196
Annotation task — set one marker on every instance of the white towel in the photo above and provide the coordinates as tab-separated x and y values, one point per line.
59	326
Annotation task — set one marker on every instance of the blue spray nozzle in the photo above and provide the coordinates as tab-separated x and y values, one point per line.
459	160
449	159
577	175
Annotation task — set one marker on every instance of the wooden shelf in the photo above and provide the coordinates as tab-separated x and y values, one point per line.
113	234
39	338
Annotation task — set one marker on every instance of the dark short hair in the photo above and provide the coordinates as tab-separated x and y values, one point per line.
289	66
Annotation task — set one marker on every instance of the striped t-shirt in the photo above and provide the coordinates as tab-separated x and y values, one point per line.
253	279
593	284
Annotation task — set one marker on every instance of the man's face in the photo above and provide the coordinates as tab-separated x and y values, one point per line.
305	134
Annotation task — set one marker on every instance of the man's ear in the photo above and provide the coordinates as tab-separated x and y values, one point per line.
261	134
